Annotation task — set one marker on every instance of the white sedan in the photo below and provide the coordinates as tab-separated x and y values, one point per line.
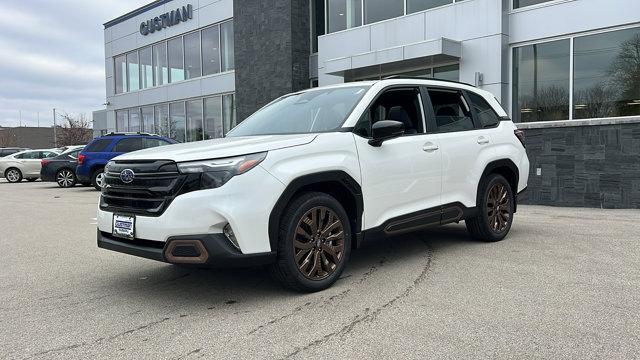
24	165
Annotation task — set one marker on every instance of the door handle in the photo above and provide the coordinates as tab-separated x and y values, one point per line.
429	147
483	140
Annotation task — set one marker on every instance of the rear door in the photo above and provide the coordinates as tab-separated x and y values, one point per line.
463	141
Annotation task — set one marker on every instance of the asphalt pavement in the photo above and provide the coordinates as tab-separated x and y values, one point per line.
564	284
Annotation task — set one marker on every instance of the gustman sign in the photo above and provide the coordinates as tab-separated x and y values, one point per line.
170	18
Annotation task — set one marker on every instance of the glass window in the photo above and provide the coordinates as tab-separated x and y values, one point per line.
523	3
134	120
29	155
419	5
213	118
148	124
98	145
74	153
146	70
378	10
318	110
343	14
401	105
192	55
129	144
211	50
176	126
160	68
47	154
485	113
451	111
541	82
176	61
162	119
122	120
226	34
120	73
194	120
449	72
606	74
133	71
228	112
317	23
153	142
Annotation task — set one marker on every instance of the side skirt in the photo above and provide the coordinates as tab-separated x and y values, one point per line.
419	220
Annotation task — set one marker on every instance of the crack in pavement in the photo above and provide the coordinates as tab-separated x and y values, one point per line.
99	340
369	316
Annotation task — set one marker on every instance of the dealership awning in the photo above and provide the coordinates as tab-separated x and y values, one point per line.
411	55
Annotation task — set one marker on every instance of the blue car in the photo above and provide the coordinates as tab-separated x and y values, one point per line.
93	158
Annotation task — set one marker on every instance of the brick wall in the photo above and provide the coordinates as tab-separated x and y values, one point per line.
584	166
271	51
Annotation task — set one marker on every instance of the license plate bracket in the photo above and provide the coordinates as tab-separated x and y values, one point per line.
124	226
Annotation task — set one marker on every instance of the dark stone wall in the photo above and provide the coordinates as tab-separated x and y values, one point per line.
585	166
271	51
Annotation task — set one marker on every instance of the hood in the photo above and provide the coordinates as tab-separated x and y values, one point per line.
218	148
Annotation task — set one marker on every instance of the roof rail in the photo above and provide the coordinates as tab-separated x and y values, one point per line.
129	133
390	77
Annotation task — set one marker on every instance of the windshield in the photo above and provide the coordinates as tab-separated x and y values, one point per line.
312	111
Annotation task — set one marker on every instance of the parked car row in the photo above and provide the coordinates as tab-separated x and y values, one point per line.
70	165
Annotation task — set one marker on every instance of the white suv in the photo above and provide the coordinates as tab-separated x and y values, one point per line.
313	174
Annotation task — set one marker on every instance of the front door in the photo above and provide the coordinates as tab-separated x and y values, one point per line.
403	176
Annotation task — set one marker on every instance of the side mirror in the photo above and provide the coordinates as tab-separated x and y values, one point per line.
384	130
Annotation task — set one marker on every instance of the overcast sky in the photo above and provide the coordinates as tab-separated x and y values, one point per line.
52	55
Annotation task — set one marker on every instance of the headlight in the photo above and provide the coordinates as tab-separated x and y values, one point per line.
216	172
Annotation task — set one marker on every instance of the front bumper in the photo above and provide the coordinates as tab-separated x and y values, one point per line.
215	250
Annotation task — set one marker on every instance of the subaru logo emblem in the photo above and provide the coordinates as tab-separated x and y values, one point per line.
127	176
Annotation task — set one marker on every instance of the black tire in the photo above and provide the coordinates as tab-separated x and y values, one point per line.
13	175
286	269
32	179
66	178
95	176
489	225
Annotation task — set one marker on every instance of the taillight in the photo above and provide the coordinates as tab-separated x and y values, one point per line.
80	159
520	135
44	162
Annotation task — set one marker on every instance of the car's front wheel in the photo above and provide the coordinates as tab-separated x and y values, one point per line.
495	210
314	243
13	175
65	178
97	179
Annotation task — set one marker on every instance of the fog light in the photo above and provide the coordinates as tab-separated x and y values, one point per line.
228	232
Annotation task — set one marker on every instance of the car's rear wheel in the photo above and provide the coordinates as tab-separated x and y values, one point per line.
314	243
495	210
65	178
97	179
13	175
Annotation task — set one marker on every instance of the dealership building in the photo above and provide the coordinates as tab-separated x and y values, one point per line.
567	71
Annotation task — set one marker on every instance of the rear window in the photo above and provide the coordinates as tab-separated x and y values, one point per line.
98	145
487	116
154	142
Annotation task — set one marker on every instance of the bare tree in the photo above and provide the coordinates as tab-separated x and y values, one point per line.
75	130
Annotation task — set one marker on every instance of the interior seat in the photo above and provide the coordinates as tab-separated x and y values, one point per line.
398	113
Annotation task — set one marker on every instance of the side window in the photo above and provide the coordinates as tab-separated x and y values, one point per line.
20	156
128	145
452	113
74	153
98	145
401	105
153	142
31	155
487	116
46	154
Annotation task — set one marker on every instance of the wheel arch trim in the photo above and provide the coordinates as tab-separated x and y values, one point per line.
498	164
334	176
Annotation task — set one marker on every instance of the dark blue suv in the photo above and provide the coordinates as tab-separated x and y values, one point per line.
93	158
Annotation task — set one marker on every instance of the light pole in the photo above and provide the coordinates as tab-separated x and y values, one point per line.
55	137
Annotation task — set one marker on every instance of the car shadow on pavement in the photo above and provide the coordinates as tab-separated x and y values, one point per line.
193	287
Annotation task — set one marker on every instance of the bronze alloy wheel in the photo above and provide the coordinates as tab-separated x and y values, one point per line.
318	243
498	207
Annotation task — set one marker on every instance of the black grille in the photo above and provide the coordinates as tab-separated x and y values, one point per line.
154	186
